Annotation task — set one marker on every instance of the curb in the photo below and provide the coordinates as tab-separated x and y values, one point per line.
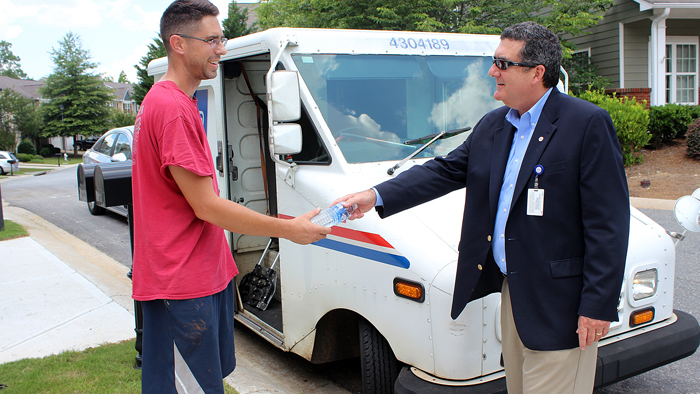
652	203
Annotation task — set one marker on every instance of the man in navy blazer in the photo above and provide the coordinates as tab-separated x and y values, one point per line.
546	218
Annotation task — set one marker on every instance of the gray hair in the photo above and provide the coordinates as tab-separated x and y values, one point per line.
541	47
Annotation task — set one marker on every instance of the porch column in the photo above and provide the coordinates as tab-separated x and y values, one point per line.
658	55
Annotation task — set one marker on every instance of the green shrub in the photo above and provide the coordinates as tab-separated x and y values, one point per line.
667	123
46	152
24	157
692	139
38	159
26	147
694	111
630	119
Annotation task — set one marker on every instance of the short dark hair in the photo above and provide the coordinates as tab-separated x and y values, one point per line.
541	47
182	17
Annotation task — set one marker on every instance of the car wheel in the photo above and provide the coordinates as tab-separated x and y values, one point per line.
95	209
380	368
2	171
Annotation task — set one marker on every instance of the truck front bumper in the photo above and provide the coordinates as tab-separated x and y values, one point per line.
616	361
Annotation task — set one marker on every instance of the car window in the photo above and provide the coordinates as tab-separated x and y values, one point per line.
106	146
2	156
123	146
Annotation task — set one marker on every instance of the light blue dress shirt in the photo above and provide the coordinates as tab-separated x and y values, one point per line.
524	127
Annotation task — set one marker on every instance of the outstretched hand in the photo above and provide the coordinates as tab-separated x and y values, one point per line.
365	201
304	232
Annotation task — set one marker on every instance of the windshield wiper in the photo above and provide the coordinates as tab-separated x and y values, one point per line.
430	139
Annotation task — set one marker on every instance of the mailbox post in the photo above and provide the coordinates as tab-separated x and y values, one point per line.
2	218
109	185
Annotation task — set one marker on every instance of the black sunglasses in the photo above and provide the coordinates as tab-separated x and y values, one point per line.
504	64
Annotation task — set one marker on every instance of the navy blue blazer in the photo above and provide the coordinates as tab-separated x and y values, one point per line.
567	263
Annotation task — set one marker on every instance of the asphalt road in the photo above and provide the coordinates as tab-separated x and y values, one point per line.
54	197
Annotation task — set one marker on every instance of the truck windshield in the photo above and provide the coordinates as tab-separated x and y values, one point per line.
374	103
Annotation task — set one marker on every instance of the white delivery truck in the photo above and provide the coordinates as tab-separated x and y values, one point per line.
336	111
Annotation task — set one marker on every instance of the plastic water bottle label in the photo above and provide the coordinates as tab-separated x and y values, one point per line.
333	215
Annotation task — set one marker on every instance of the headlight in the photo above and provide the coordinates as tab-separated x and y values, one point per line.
644	284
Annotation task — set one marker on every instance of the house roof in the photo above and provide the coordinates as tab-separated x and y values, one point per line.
26	87
649	4
122	91
30	89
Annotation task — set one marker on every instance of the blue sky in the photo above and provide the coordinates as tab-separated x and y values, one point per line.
116	32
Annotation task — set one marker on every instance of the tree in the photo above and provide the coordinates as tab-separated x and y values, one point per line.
17	119
120	118
9	63
474	16
236	25
123	78
156	50
421	15
78	98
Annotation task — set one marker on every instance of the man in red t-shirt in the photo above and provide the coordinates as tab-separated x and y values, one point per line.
183	268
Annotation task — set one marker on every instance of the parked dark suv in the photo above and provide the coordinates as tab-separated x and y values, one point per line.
86	143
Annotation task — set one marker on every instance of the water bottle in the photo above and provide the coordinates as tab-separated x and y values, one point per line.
333	215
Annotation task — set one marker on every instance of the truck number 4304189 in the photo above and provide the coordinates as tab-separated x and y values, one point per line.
412	43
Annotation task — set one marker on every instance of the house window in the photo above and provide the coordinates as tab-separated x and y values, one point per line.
682	70
127	107
581	58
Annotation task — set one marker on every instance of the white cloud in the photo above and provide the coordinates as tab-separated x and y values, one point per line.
69	14
131	17
126	63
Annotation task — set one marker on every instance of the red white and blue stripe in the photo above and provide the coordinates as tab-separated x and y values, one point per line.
365	245
361	244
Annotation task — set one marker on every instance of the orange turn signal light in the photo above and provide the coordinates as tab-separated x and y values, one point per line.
409	289
641	317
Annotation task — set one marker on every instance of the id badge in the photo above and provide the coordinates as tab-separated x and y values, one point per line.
535	202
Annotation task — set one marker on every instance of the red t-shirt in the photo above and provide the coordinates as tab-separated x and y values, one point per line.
176	254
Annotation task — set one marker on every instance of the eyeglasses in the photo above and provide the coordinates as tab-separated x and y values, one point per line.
214	42
504	64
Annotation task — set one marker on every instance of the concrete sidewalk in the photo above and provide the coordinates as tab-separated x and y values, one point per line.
57	294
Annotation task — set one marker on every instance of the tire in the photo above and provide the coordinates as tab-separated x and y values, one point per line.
95	209
380	368
2	171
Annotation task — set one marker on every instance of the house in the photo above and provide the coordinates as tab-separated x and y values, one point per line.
648	49
30	89
26	87
122	97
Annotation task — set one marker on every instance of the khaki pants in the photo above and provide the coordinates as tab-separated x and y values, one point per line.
569	371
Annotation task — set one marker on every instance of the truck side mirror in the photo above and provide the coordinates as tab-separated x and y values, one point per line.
284	91
687	211
287	139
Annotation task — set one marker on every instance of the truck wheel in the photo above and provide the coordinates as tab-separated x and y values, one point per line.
95	209
380	368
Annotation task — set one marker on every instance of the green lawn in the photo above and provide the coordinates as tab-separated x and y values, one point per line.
12	230
48	162
105	369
